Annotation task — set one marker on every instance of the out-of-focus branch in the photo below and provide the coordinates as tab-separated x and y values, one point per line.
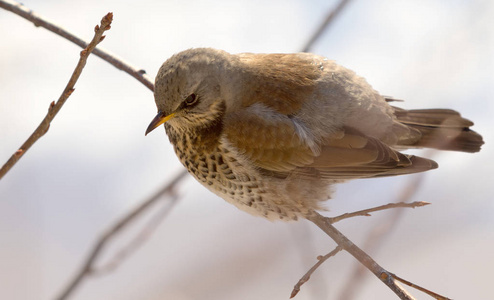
55	107
88	265
325	24
139	239
40	21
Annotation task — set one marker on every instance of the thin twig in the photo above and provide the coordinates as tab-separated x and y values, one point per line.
428	292
386	277
306	277
366	212
138	240
40	21
54	108
325	24
87	267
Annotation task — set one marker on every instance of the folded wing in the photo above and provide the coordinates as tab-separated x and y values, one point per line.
274	145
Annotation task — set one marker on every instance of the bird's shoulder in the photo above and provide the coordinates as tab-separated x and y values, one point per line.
283	82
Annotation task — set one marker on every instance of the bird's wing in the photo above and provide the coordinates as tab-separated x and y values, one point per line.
270	141
274	144
356	155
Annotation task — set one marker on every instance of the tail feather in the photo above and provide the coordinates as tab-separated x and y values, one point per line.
443	129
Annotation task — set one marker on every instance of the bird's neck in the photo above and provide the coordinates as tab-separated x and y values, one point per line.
199	141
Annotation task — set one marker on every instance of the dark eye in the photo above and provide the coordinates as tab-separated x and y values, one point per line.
191	99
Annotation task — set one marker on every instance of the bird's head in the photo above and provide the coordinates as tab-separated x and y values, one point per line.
188	90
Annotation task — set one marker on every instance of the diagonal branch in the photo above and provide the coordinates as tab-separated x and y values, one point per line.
376	235
306	277
342	241
88	265
325	24
428	292
40	21
385	276
139	239
365	212
56	106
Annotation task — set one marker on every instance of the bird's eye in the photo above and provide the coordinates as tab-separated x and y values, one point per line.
191	99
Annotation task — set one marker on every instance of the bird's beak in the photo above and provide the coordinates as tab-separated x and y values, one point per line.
158	120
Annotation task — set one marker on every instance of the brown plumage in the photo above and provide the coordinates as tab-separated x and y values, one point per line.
271	132
442	129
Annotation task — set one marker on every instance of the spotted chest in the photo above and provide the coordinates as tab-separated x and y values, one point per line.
217	168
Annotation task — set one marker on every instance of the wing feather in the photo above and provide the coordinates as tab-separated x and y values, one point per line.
273	144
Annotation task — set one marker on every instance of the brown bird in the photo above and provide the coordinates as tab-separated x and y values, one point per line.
270	133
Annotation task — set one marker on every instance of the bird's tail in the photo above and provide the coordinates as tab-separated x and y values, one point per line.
443	129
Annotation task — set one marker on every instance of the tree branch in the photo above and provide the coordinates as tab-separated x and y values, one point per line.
325	24
377	234
54	108
366	212
428	292
138	240
88	265
385	276
306	277
39	21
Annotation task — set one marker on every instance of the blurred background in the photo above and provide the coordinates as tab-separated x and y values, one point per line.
95	164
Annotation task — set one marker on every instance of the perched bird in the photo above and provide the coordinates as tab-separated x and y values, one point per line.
270	133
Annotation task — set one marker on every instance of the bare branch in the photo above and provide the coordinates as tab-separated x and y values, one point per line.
366	212
428	292
54	108
88	265
40	21
139	239
324	25
386	277
306	277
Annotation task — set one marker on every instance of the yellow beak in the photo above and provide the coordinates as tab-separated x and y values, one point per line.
158	120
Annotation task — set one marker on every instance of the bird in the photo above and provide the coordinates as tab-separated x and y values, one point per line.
273	133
